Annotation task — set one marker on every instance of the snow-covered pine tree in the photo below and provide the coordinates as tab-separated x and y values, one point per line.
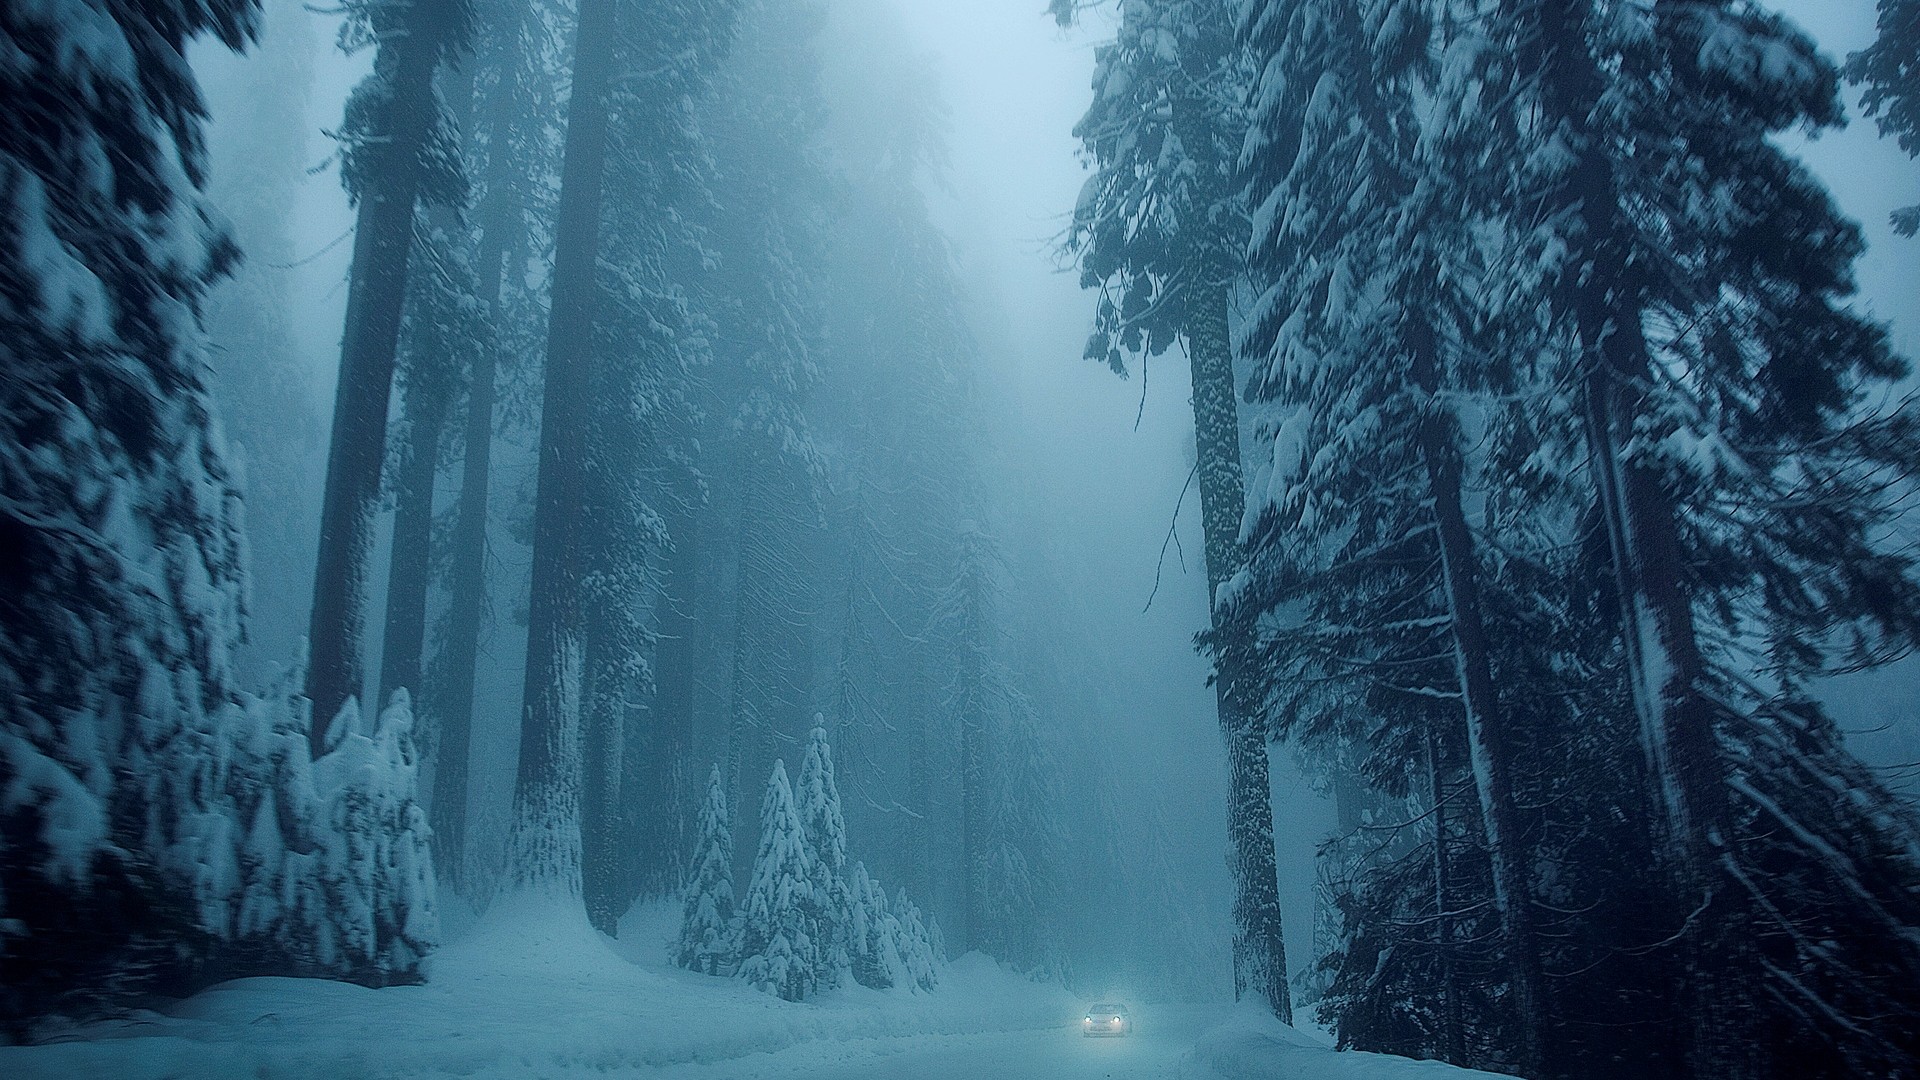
917	947
780	932
818	802
874	945
1365	339
360	889
397	151
1889	73
707	929
1160	230
1693	279
118	513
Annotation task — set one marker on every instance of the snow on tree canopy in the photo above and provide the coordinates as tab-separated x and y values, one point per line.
707	932
118	512
826	834
781	933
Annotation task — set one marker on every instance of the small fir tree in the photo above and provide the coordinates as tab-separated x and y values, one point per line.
707	940
826	833
874	943
780	936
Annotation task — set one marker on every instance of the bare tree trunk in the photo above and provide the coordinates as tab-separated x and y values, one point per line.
973	804
1259	946
546	821
1452	1045
411	563
1490	745
467	585
666	797
603	708
376	291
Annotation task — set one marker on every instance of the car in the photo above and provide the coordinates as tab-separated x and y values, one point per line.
1107	1018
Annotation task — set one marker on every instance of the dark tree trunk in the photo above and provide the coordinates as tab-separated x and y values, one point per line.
973	804
1452	1044
467	584
546	849
1490	744
1664	665
376	291
603	723
665	798
1259	947
411	562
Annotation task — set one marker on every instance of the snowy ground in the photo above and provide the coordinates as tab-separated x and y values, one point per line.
530	995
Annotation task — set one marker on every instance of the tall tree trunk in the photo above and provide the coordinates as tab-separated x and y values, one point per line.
973	801
1664	665
376	291
459	659
603	707
665	798
1452	1044
1676	722
1490	744
546	820
1259	946
411	562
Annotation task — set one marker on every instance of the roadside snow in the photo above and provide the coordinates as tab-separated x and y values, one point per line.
1252	1045
531	993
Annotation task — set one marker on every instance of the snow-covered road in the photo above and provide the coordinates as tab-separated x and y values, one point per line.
538	996
1164	1035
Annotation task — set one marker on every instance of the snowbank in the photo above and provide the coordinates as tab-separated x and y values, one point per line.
1253	1045
532	991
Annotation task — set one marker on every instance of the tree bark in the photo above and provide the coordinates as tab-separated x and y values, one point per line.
546	821
1490	745
376	291
1259	946
1452	1045
973	786
604	731
1664	665
410	566
467	585
666	795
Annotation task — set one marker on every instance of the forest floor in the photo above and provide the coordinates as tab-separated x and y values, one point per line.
530	995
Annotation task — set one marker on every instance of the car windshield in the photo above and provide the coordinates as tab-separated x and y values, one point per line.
1107	1009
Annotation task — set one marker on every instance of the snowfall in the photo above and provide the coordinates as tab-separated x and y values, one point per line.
533	992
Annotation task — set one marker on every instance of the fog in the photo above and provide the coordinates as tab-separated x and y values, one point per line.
680	595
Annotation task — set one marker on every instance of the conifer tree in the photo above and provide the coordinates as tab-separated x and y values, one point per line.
818	802
780	933
1889	72
398	152
875	947
1726	393
546	852
118	512
1366	334
707	917
1159	229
